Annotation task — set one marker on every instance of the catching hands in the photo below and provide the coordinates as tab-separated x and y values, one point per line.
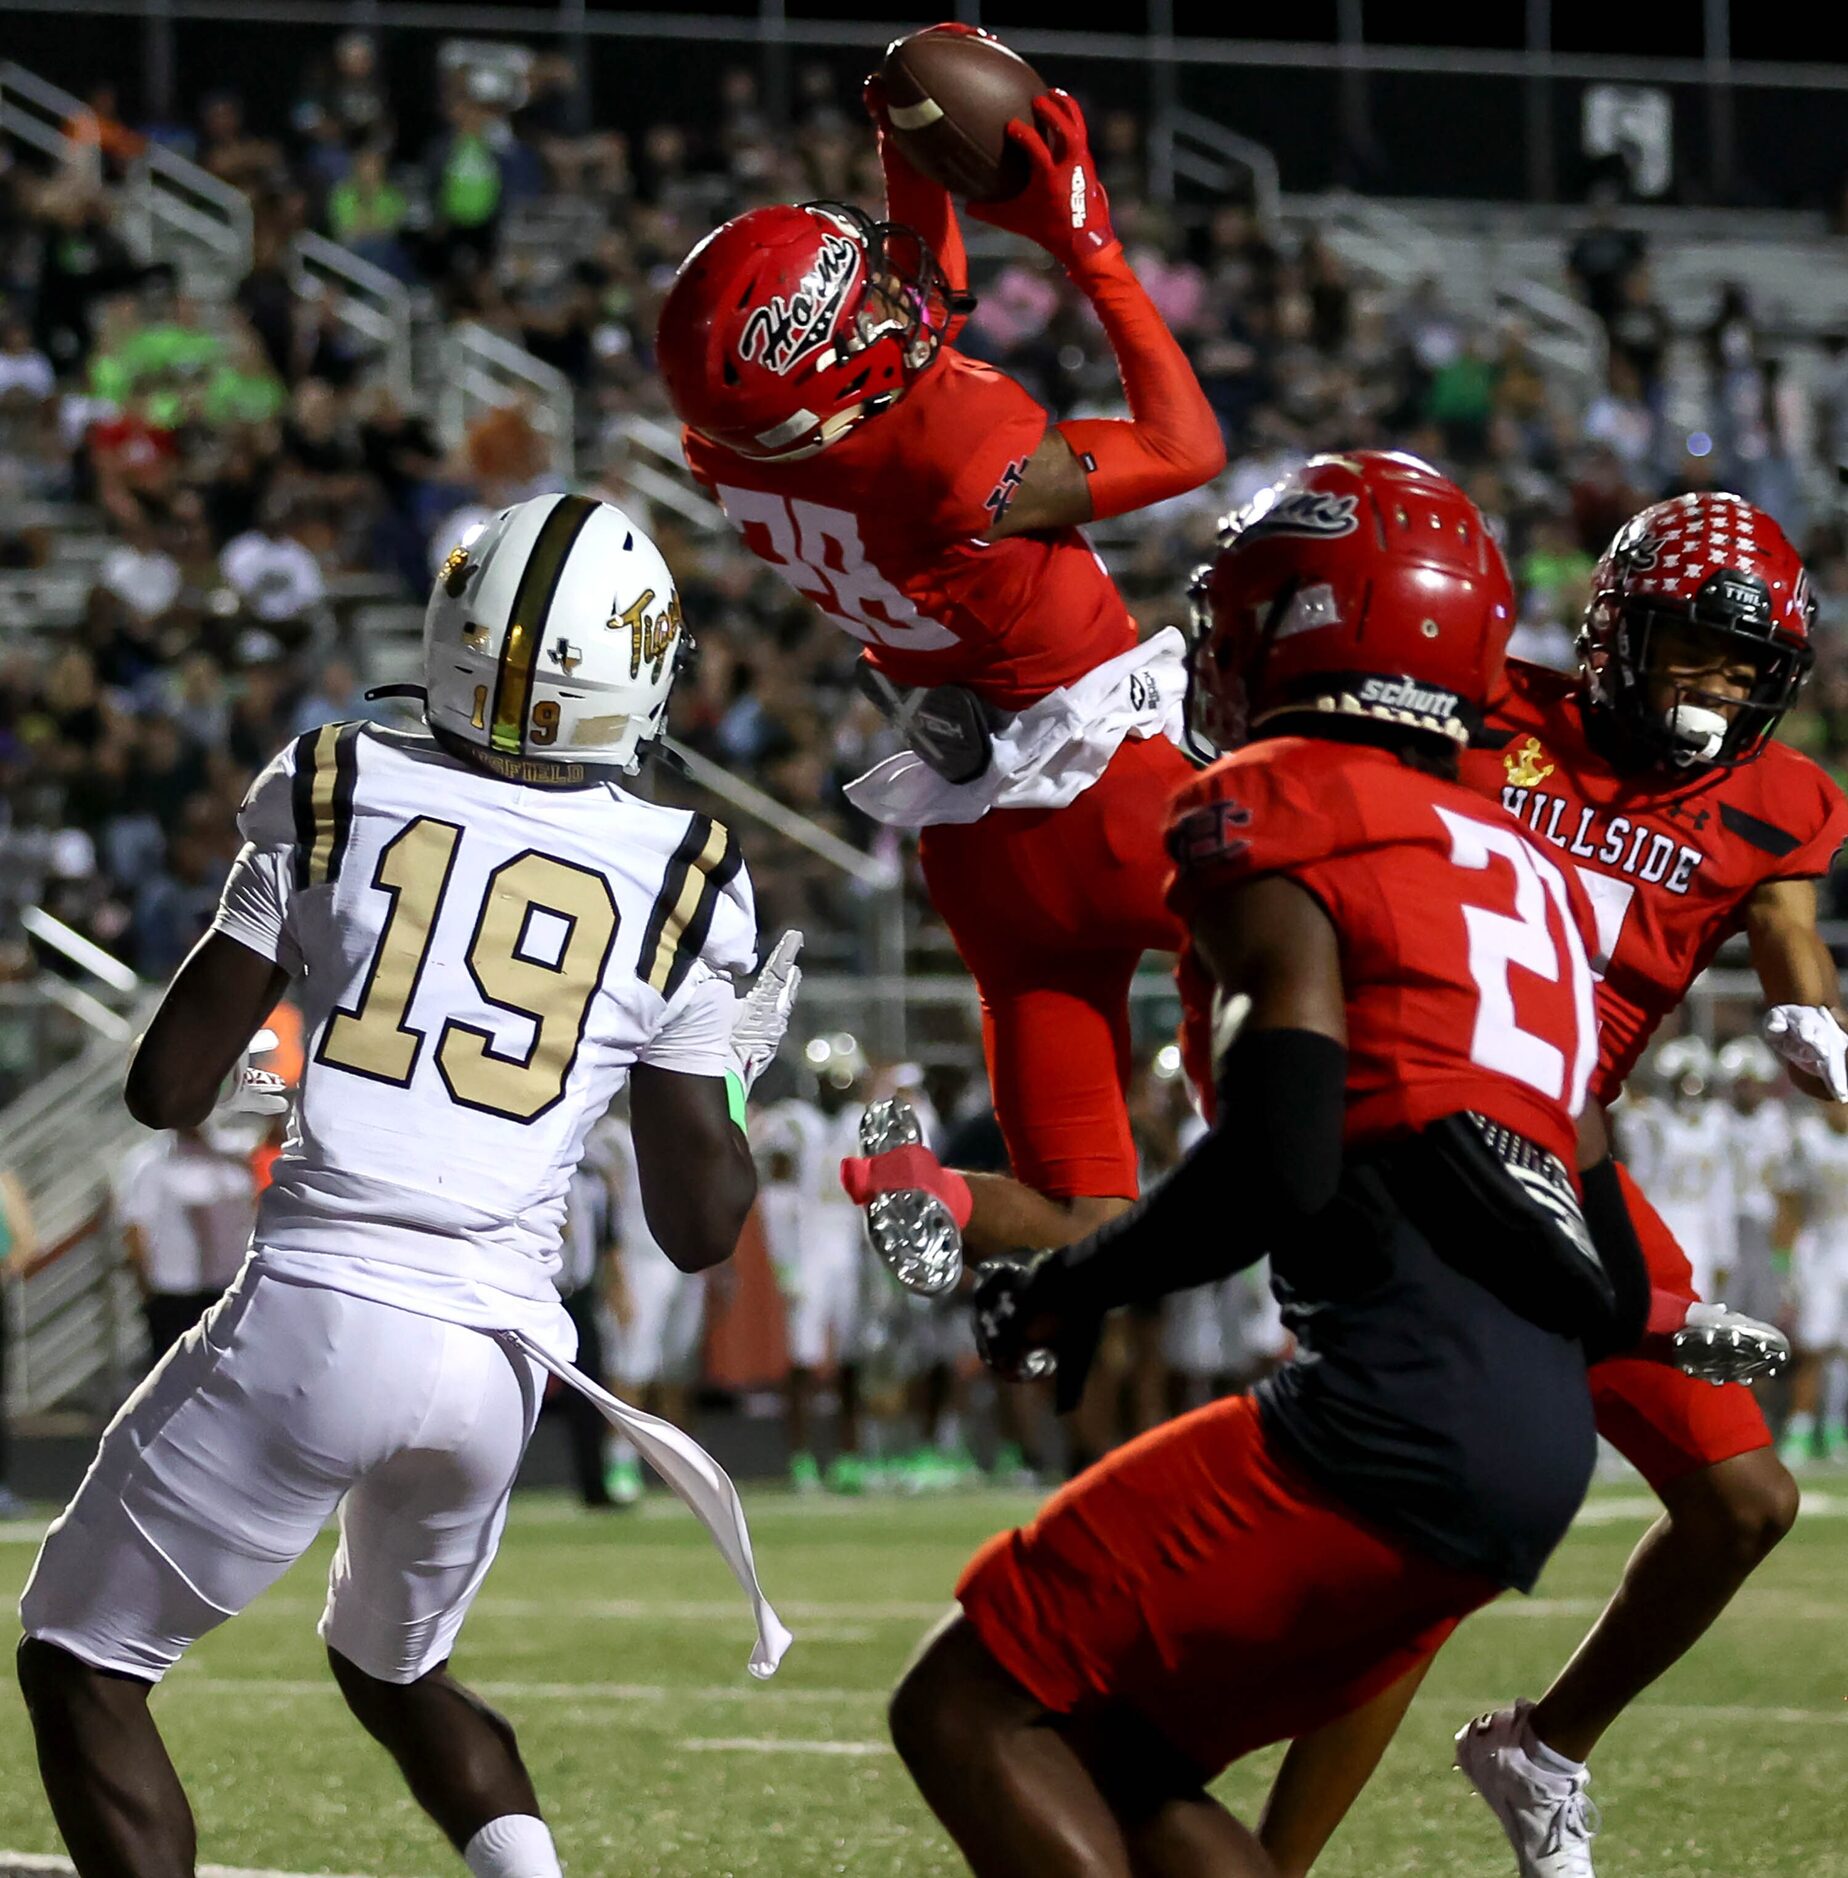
1063	208
1020	1322
248	1091
1810	1038
763	1012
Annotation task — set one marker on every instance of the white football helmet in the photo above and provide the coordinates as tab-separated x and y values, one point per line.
552	639
1748	1059
1684	1067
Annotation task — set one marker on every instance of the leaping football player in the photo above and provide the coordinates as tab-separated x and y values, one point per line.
1387	987
490	935
930	507
1654	776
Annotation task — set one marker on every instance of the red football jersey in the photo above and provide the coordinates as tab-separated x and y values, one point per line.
1669	861
1462	950
885	529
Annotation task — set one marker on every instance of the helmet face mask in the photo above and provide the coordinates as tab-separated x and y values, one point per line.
1688	589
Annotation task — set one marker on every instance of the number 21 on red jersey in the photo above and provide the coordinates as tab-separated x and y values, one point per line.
1542	937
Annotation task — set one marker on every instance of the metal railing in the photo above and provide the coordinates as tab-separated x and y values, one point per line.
180	213
484	372
1387	243
651	464
36	112
371	304
1185	146
1560	330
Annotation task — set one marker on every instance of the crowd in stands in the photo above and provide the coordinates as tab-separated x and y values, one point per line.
246	458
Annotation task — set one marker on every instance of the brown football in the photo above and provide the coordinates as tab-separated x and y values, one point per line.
949	96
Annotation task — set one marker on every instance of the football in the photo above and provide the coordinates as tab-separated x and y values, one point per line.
949	96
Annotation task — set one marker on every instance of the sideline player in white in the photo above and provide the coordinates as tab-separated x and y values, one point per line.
1679	1151
1759	1134
813	1234
1816	1219
657	1342
488	936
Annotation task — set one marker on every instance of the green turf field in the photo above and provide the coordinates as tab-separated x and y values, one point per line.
618	1646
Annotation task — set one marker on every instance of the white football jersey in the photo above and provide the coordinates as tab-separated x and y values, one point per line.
827	1222
1761	1144
1817	1170
479	963
1682	1158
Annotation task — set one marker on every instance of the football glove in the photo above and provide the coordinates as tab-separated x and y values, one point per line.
762	1015
1021	1332
1063	208
248	1091
1810	1038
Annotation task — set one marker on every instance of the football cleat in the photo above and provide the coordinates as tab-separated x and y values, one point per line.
1721	1346
1549	1817
911	1230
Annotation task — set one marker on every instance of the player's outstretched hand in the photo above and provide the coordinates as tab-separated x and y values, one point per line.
248	1091
1063	208
1721	1346
1019	1323
763	1012
1811	1039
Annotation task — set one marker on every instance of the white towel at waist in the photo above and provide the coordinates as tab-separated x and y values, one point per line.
1052	752
703	1485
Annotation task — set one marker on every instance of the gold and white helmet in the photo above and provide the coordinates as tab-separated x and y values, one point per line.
552	640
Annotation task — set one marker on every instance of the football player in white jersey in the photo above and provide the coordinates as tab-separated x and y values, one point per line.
813	1234
1678	1148
1816	1217
1759	1134
657	1343
488	935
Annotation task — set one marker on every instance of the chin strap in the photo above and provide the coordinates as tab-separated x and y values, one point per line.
398	691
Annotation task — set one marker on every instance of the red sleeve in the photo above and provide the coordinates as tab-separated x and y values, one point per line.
1823	811
979	441
696	450
917	203
1246	817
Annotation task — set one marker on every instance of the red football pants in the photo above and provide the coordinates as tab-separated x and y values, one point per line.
1198	1578
1052	910
1664	1423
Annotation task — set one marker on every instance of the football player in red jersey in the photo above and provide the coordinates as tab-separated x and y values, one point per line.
929	506
1653	774
1400	1006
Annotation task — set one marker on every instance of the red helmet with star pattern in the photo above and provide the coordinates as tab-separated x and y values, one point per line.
1708	568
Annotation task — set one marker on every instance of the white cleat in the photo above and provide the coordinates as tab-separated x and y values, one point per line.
1721	1346
911	1230
1549	1817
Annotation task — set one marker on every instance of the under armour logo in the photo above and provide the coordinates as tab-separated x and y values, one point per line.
1680	812
1206	835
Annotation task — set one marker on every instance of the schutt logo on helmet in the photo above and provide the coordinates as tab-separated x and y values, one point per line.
783	333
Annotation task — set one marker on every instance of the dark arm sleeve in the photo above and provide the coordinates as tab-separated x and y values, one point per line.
1270	1163
1622	1254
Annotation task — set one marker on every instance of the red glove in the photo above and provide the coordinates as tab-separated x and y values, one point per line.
1063	208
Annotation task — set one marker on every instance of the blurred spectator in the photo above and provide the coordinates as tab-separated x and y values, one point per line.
1620	418
98	127
231	153
271	570
1640	332
1604	256
186	1203
466	188
367	212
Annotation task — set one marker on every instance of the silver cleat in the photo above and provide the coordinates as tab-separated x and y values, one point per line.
911	1230
1721	1346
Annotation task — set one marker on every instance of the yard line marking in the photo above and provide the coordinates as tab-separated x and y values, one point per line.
748	1744
671	1610
23	1864
603	1694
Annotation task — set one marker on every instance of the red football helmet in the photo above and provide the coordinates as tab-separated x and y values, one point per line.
1711	568
787	326
1363	587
